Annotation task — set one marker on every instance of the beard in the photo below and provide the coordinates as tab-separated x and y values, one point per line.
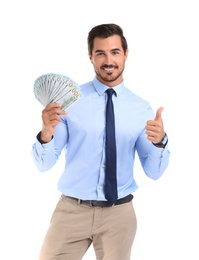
109	76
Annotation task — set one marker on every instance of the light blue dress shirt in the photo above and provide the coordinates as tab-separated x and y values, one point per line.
82	136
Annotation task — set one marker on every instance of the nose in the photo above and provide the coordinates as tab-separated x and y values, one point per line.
108	59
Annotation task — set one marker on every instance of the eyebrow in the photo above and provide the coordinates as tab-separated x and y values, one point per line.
116	49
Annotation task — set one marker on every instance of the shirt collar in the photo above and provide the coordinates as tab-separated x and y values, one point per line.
101	88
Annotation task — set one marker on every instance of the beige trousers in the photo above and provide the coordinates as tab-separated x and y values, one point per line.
74	227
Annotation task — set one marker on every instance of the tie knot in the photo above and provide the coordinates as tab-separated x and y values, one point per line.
110	92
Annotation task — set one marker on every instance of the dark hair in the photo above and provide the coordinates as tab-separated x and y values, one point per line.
104	31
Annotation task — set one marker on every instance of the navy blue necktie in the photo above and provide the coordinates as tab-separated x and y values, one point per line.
111	165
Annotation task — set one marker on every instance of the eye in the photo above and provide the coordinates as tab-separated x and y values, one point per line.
115	52
100	54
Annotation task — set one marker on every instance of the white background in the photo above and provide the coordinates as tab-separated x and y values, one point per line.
39	37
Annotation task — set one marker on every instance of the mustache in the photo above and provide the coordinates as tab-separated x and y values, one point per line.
109	67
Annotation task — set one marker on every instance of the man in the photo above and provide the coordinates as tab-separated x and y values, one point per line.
86	212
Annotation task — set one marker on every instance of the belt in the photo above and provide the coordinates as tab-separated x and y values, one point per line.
101	204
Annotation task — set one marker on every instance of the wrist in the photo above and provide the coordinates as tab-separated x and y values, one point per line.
44	138
163	142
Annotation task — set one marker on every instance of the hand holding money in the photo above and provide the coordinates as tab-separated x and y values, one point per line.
50	119
56	92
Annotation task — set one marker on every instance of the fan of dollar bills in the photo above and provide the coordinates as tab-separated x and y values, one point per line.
53	87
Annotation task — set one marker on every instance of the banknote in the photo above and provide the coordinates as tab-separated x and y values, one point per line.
53	87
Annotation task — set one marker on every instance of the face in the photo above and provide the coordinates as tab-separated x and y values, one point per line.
108	59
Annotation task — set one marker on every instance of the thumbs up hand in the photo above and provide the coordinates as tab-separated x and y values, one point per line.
154	128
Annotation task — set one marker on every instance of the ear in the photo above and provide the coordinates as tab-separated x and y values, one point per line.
90	57
126	54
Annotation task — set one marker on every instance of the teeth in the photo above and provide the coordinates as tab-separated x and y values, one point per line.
109	69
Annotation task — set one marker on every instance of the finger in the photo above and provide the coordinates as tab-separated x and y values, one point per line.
56	111
52	115
53	108
151	124
52	105
152	138
158	116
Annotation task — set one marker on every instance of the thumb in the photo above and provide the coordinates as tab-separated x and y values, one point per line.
158	116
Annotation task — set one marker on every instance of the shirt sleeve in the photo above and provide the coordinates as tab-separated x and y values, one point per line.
46	155
154	160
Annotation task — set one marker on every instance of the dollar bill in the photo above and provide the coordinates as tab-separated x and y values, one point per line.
53	87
